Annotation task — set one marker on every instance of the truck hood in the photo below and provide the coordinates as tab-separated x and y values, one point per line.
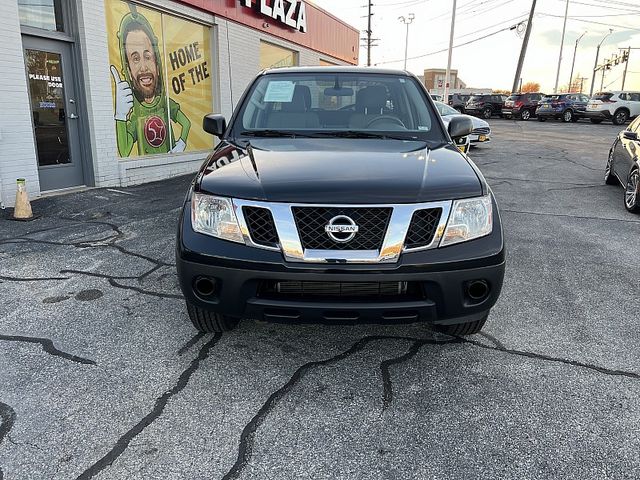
339	171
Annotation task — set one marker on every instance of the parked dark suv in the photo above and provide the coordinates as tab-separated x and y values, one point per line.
521	105
485	106
458	101
336	194
568	107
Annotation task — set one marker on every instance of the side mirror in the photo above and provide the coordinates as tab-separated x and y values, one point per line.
215	124
460	127
630	135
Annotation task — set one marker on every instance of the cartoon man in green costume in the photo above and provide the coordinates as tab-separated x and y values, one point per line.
140	105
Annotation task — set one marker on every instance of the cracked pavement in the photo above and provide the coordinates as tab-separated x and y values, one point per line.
103	376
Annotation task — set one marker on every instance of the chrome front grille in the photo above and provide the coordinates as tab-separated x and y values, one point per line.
303	232
372	223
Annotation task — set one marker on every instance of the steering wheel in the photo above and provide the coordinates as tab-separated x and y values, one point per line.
388	119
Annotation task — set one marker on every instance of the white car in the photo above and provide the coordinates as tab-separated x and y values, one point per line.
481	130
618	107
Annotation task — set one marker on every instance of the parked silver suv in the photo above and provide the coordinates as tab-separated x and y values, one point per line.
617	106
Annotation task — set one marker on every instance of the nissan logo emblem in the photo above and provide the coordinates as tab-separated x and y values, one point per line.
341	229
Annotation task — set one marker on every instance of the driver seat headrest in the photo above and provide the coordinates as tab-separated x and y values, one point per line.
371	100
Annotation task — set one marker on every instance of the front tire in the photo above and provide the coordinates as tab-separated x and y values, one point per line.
632	192
468	328
525	115
207	321
620	117
567	116
486	113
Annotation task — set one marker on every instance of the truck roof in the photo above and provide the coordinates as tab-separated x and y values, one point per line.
337	69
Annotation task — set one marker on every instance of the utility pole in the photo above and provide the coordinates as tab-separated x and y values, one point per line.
369	14
582	79
445	95
595	65
523	50
574	60
564	27
407	21
626	64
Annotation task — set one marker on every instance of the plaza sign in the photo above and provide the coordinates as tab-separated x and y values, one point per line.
288	12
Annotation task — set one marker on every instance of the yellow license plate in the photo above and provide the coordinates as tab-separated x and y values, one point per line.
462	148
482	138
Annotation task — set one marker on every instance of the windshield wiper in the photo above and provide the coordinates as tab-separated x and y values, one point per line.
327	133
275	133
361	134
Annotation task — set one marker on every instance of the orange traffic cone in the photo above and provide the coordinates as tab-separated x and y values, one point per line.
22	209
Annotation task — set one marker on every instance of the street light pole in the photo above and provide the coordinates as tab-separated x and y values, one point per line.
564	27
573	62
407	21
445	95
595	65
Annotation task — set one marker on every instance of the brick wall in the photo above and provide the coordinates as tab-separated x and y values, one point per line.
17	146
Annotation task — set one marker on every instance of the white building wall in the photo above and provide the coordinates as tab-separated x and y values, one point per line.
17	145
235	61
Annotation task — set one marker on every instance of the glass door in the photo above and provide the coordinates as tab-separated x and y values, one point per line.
54	112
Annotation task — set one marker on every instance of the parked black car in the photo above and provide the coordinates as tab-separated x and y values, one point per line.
485	106
521	105
337	194
568	107
458	101
623	165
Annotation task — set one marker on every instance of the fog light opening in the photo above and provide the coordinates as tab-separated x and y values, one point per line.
204	286
478	290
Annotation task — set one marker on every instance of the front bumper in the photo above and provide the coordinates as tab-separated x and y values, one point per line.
473	110
508	112
601	114
549	113
442	276
480	138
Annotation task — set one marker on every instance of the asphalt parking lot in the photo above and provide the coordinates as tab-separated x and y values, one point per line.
104	377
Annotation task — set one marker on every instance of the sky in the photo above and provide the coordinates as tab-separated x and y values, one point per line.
491	62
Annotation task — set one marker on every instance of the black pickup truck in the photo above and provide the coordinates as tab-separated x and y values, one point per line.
336	194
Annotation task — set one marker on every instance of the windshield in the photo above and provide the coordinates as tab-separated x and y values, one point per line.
477	98
337	104
604	96
444	109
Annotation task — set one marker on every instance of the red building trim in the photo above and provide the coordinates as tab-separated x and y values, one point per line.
325	33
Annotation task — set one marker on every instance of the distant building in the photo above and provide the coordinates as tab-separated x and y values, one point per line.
434	80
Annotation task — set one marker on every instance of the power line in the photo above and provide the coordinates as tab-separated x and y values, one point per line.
591	21
635	9
446	49
605	15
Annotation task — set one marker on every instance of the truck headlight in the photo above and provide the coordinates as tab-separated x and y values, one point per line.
470	218
215	216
